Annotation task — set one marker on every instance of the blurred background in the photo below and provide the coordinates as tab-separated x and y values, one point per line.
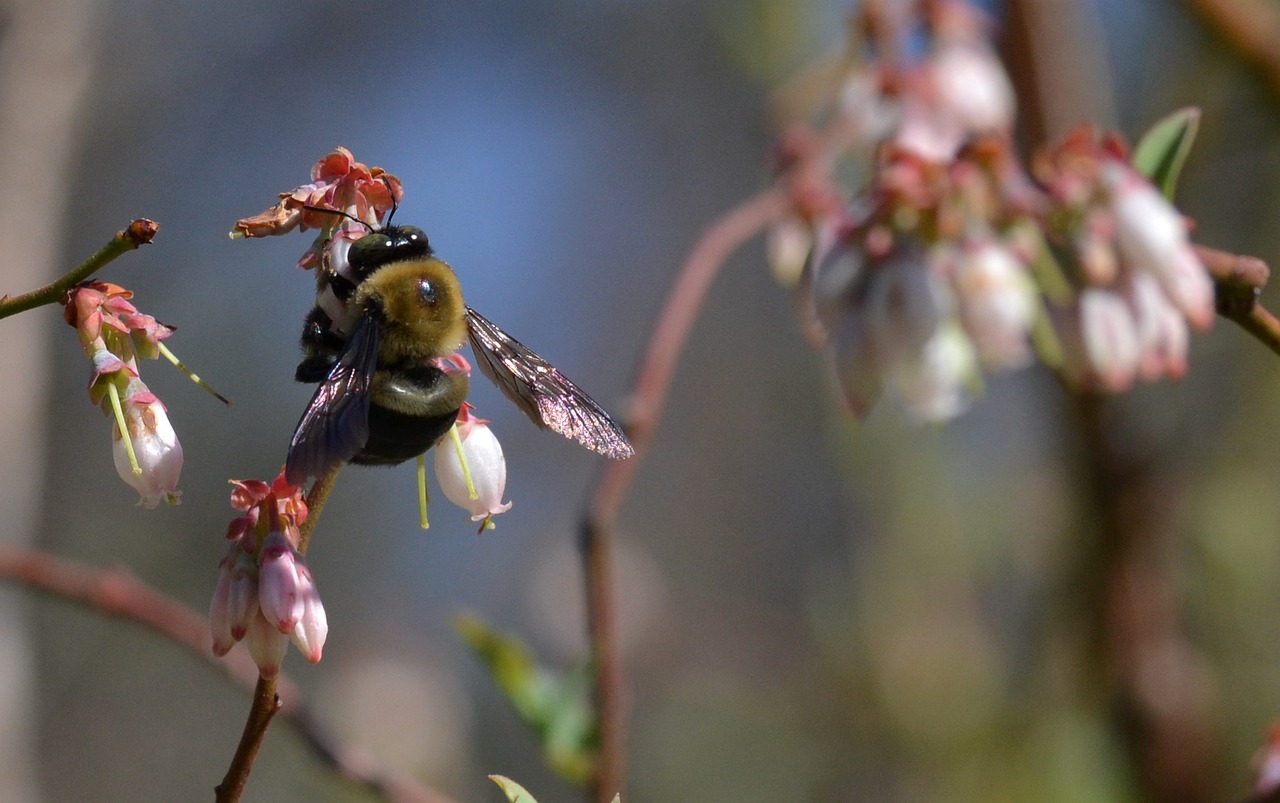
812	609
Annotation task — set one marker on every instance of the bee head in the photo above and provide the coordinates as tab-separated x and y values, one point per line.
418	306
391	244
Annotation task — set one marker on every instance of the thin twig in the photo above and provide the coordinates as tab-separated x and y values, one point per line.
116	593
653	378
266	702
139	232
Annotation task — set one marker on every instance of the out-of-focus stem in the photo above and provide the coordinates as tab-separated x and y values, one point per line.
1251	27
115	593
653	379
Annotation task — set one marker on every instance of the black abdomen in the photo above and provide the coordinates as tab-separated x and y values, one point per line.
396	437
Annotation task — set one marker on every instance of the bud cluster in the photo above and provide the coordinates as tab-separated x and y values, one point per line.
1139	281
265	593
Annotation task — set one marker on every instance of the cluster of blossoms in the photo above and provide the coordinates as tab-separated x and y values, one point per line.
114	336
955	259
265	593
920	289
345	200
1140	283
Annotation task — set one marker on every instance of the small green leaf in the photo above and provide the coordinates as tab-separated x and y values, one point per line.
556	705
511	665
569	735
1163	150
514	791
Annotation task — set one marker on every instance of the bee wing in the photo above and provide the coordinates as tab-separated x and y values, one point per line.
544	394
335	425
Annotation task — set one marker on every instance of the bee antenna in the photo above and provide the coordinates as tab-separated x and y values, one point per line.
394	205
340	213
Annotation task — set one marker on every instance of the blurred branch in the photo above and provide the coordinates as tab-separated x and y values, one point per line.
1128	596
117	594
1155	688
1251	28
653	380
1238	282
139	232
1055	58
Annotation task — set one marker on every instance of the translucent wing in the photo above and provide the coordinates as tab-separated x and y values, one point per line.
543	393
335	425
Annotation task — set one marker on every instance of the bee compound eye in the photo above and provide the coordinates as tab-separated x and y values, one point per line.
427	291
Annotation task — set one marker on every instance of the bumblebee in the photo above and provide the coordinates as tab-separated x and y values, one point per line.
377	342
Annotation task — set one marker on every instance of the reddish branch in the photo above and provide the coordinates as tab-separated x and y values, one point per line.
116	593
1251	27
1239	281
653	379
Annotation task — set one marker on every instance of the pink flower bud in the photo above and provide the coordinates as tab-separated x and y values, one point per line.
787	245
266	644
1105	349
278	583
972	87
1160	328
156	447
313	626
997	303
1152	237
242	597
220	608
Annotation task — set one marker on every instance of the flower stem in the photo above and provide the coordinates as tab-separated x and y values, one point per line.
462	460
1238	282
139	232
317	497
653	378
265	705
114	393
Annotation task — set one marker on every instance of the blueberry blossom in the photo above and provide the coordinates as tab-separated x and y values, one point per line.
471	470
113	334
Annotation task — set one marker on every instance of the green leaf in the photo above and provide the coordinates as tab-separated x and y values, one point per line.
511	665
556	705
514	791
1163	150
569	736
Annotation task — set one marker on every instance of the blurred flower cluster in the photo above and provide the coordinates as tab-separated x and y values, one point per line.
265	593
114	336
955	258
